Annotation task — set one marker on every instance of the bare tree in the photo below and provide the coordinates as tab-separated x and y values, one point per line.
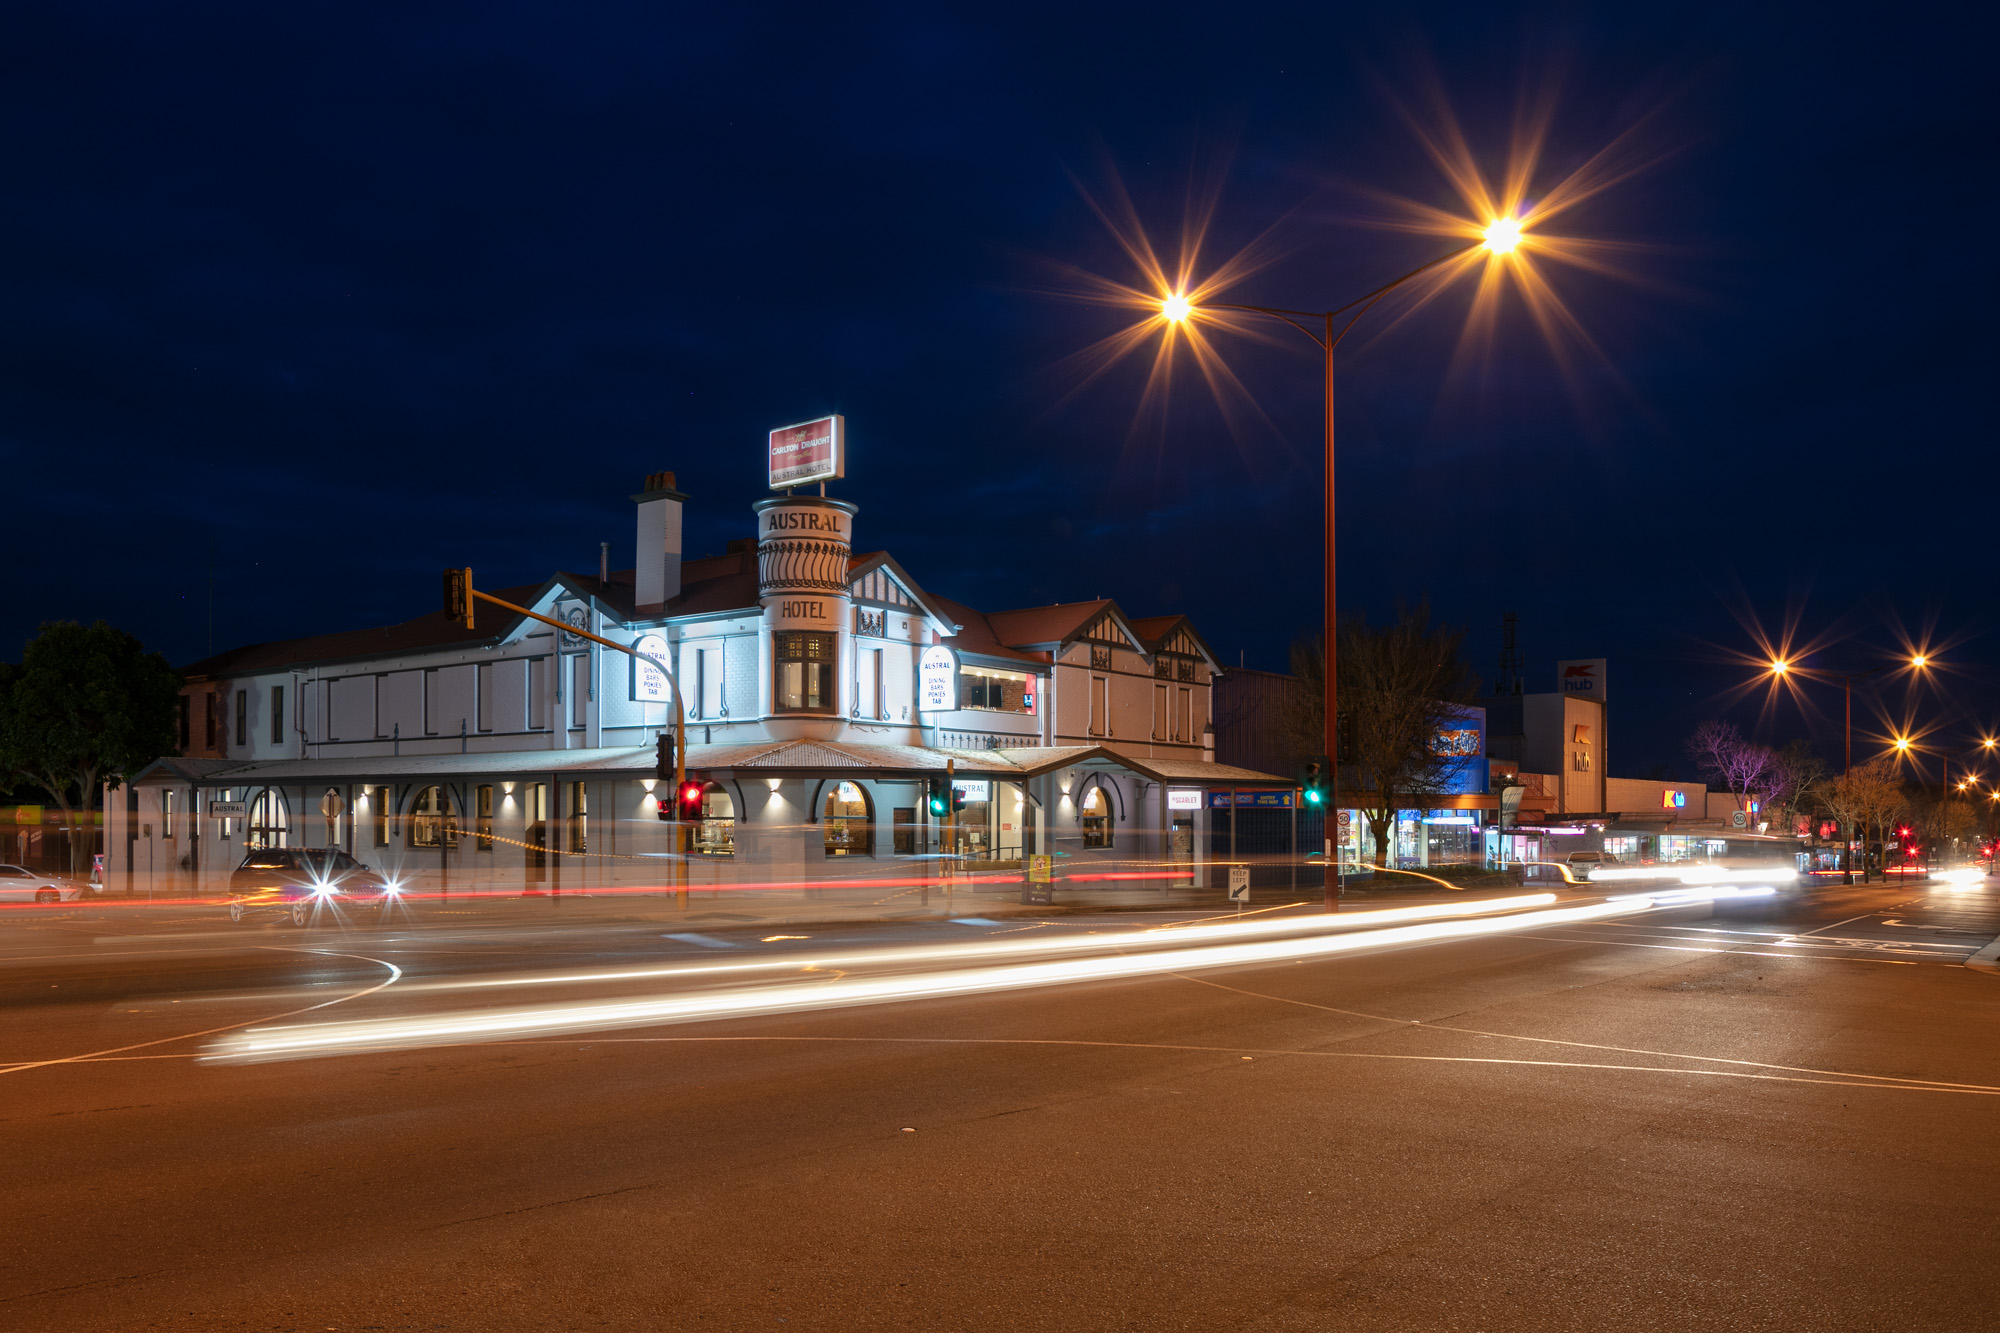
1791	789
1404	691
1864	799
1740	767
1943	820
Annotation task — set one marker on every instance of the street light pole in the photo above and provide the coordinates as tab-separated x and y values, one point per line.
1326	338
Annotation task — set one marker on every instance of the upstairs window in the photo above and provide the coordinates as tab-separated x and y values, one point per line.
803	681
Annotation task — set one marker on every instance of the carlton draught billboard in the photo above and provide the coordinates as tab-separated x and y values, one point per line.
809	451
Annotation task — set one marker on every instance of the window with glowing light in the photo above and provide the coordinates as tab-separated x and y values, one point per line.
715	835
431	823
847	821
1096	816
268	825
803	678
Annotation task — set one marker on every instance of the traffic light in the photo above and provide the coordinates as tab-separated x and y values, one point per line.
458	596
957	796
1344	733
938	799
1312	783
663	758
691	793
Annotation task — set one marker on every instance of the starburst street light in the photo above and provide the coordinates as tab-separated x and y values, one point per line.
1501	235
1500	239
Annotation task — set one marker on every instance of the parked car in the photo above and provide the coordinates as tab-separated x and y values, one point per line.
300	881
18	884
1593	859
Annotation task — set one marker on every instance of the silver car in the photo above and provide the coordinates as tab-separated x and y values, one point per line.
18	884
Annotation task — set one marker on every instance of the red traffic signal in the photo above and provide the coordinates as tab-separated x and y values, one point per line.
689	799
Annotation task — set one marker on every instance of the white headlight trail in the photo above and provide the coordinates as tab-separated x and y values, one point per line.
585	1016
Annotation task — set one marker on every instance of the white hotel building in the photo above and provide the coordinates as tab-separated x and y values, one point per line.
515	755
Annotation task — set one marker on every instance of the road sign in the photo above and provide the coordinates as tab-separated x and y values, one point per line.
1239	884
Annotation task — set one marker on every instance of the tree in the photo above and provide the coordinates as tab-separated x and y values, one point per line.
1740	767
1943	820
85	706
1791	789
1403	691
1864	799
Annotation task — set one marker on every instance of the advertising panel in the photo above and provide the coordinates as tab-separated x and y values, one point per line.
649	683
937	680
809	451
1183	800
1582	679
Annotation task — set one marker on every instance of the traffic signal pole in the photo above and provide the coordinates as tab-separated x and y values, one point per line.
459	595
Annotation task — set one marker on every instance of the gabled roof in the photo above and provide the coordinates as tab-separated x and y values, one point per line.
860	566
1054	628
1161	633
976	638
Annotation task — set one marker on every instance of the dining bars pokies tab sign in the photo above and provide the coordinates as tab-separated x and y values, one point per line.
810	451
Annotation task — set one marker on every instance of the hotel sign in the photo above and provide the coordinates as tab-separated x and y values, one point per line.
937	680
809	451
649	683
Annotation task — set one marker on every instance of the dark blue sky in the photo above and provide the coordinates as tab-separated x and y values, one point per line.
345	295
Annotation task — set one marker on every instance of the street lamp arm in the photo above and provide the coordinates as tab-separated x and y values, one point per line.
1325	317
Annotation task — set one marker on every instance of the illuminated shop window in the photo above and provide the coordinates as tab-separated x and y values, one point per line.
847	821
1096	818
715	835
995	691
431	823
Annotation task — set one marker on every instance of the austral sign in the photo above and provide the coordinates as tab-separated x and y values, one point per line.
937	680
809	451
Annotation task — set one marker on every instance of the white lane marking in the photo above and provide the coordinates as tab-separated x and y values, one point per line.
1919	1084
1747	953
395	973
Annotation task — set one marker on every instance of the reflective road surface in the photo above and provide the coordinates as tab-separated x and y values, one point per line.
1545	1113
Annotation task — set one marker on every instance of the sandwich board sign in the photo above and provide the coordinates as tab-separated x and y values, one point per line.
1039	891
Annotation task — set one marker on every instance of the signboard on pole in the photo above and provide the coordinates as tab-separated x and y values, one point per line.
937	680
1239	884
649	683
810	451
1582	679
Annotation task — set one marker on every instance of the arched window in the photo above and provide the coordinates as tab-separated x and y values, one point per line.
1097	817
847	821
268	825
715	835
431	821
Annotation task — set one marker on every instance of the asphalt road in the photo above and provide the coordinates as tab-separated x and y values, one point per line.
1665	1121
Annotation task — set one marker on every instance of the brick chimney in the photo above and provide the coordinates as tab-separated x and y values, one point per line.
657	572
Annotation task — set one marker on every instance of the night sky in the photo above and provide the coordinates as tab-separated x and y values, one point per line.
325	298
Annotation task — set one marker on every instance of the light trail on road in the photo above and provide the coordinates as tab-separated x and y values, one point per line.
462	1027
1175	935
